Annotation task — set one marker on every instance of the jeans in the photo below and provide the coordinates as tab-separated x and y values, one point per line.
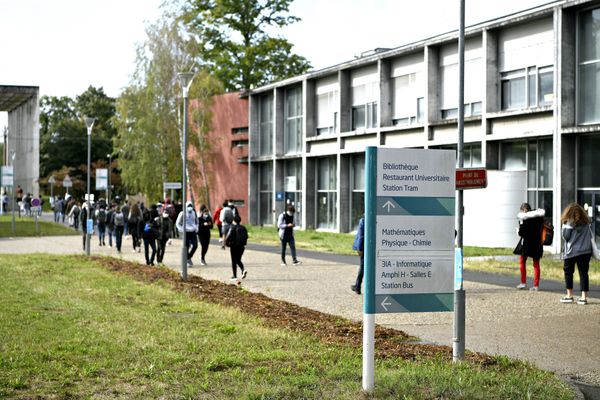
191	240
583	265
361	272
152	243
288	239
119	236
101	233
109	232
236	253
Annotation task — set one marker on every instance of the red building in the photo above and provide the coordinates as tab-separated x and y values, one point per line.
221	171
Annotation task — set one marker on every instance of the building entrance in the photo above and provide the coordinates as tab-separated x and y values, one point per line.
590	200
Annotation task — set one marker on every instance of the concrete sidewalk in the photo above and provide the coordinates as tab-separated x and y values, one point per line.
564	338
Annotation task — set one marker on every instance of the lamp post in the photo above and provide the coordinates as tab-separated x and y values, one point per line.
108	186
89	123
185	78
13	155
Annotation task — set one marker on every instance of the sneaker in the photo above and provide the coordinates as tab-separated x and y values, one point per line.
355	289
283	264
296	262
521	286
244	273
169	242
235	280
202	262
190	263
534	289
581	301
566	299
220	240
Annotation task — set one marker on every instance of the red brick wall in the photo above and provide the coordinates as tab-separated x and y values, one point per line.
227	177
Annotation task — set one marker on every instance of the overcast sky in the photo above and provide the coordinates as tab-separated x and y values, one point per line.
63	46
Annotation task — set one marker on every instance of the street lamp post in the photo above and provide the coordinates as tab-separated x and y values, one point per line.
185	78
108	186
89	123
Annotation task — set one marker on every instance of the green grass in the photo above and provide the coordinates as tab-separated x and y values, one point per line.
550	268
71	328
25	226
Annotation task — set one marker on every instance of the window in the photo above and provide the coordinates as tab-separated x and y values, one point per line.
239	143
327	193
293	121
239	131
265	122
328	101
265	216
357	185
536	157
293	187
527	88
471	154
587	162
409	99
365	94
588	87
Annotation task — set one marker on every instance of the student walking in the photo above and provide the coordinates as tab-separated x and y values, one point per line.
125	210
133	222
149	235
101	218
74	213
217	221
286	225
577	234
85	212
226	216
530	231
191	229
237	238
118	219
165	227
110	225
359	247
205	224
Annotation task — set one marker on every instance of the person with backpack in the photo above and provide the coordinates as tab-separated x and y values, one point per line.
134	220
149	235
285	223
577	234
110	224
74	213
191	229
118	219
85	212
226	217
359	247
530	231
165	228
125	210
237	239
172	211
101	218
205	224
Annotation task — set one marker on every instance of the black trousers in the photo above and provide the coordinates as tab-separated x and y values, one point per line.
160	252
583	265
236	253
152	243
204	238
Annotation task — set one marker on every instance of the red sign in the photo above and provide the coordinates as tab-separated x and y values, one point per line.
471	178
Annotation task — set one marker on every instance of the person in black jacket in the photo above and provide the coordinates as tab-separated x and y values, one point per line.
530	231
165	229
205	224
149	233
237	238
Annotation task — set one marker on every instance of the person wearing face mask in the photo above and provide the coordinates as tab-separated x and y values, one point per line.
165	227
205	224
191	228
285	222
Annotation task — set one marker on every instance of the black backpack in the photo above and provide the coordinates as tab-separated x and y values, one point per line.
241	236
102	216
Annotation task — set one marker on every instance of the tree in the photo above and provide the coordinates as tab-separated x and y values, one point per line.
149	111
234	42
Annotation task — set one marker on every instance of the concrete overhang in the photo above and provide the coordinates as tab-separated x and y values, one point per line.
11	97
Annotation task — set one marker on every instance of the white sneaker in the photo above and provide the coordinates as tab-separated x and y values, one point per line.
521	286
235	281
283	264
190	263
169	242
534	289
202	262
297	262
244	273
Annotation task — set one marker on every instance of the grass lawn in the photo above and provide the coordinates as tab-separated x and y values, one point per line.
551	268
25	226
72	328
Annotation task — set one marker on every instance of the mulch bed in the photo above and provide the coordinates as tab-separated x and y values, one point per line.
281	314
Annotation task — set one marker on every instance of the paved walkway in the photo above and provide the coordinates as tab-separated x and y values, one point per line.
564	338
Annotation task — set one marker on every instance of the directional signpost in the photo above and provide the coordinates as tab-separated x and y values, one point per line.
409	237
101	179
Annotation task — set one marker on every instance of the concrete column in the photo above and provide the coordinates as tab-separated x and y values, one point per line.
278	121
491	98
24	139
432	98
386	92
309	192
345	101
279	174
253	126
309	97
344	193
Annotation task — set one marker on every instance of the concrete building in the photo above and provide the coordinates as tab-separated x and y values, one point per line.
532	118
225	160
23	136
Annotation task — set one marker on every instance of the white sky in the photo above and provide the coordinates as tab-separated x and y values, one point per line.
63	46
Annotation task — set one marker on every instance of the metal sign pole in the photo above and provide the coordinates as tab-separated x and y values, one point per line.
458	342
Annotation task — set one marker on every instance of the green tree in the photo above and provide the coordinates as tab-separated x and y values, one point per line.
149	111
234	42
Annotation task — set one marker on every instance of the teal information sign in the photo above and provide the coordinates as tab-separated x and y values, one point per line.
409	230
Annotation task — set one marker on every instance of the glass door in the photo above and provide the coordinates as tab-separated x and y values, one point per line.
590	200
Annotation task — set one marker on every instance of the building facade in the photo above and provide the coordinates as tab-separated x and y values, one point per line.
221	172
532	118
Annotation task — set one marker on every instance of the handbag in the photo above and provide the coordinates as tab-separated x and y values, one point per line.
519	249
595	251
